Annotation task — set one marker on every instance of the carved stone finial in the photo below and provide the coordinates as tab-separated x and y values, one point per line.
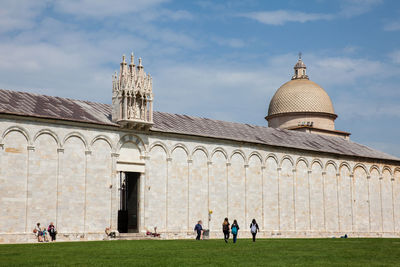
132	59
132	102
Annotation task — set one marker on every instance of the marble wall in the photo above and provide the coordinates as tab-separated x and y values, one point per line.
69	175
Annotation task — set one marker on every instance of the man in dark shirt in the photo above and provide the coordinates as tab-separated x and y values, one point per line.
198	228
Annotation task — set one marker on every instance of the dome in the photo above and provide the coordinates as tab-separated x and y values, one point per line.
300	95
302	105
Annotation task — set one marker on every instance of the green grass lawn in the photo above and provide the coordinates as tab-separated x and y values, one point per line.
275	252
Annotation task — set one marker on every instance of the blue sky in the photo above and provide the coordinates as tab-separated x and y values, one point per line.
217	59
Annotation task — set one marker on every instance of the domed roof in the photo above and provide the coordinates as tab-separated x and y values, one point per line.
300	95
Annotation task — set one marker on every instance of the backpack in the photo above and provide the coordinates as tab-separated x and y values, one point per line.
253	228
234	230
225	227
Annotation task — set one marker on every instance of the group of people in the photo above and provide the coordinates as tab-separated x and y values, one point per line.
227	228
42	233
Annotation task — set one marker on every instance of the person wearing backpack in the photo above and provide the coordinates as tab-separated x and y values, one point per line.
225	229
234	229
254	229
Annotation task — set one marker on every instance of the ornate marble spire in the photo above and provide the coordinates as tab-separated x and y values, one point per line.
132	96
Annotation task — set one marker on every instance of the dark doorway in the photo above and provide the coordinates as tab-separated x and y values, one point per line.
129	206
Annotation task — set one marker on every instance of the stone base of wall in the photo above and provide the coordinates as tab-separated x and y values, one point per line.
31	238
69	237
284	234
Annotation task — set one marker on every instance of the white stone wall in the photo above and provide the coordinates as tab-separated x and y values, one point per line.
290	194
69	175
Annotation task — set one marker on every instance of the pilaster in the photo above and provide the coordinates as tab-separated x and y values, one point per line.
30	151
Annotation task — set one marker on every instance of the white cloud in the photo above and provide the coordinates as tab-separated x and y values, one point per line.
280	17
19	14
349	8
176	15
350	49
392	26
104	8
144	10
344	70
395	56
231	42
352	8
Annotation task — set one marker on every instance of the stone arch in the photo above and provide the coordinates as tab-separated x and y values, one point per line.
388	169
220	149
256	154
397	169
240	152
288	158
49	132
345	164
104	138
304	160
162	145
318	161
332	163
361	165
78	135
202	148
272	155
15	174
19	129
134	139
375	167
180	145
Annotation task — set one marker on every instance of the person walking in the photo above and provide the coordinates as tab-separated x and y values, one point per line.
198	228
254	229
225	229
234	229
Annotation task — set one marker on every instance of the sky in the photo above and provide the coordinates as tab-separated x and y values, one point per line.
216	59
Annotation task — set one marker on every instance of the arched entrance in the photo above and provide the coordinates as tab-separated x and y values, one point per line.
130	167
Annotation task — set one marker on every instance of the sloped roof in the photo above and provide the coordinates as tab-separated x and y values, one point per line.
35	105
